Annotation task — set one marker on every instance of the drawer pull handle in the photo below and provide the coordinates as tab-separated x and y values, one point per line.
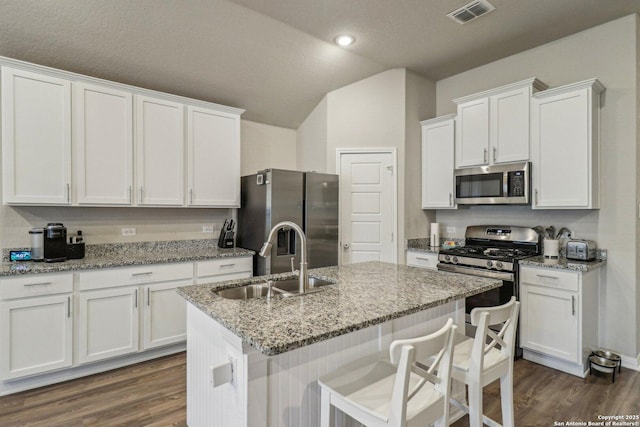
148	297
38	284
146	273
423	259
542	276
68	307
135	303
573	305
226	265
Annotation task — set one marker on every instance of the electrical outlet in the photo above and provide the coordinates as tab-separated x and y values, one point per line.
131	231
451	229
207	228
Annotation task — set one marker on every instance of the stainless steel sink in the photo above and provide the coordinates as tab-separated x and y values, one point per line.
285	288
244	292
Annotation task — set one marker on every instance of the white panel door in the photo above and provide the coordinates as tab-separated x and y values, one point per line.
165	315
367	199
509	129
103	160
35	336
438	184
472	133
108	323
213	144
36	138
160	146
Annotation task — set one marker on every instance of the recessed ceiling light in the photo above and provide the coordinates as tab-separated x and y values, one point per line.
345	40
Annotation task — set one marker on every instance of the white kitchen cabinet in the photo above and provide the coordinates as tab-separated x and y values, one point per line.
160	146
107	323
558	317
213	158
36	325
492	127
164	314
221	269
565	149
103	145
36	138
422	259
438	185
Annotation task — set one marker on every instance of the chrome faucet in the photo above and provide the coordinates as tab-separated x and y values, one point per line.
266	250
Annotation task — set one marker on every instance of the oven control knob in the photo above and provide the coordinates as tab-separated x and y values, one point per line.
454	260
499	265
489	264
447	258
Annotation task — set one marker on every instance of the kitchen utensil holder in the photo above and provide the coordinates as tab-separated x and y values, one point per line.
551	248
226	239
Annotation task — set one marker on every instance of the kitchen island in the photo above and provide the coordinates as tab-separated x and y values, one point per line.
279	347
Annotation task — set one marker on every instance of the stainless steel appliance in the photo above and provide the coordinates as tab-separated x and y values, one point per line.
491	251
37	244
583	250
506	184
55	242
308	199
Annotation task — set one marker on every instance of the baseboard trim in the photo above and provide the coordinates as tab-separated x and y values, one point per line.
631	362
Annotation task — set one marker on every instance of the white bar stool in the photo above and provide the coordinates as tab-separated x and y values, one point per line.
478	364
378	392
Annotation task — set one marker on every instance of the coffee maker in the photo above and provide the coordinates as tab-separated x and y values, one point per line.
55	242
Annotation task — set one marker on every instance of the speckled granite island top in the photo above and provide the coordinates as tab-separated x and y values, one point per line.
364	294
128	254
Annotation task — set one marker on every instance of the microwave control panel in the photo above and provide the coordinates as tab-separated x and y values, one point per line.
516	184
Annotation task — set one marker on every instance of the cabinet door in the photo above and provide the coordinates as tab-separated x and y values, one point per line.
472	137
565	150
103	161
549	321
36	336
509	126
160	152
36	138
164	315
213	141
108	323
438	186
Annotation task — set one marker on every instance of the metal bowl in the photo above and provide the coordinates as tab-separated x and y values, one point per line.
607	354
603	361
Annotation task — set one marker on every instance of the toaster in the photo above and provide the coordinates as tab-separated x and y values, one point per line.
583	250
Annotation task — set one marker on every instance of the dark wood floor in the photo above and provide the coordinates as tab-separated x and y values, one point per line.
154	394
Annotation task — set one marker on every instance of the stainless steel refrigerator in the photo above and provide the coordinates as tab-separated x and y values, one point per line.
309	199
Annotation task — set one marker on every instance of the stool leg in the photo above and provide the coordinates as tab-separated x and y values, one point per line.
506	397
325	408
475	404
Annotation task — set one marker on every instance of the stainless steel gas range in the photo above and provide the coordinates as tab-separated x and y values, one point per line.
491	251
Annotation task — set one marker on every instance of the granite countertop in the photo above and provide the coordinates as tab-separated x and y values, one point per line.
128	254
563	263
364	294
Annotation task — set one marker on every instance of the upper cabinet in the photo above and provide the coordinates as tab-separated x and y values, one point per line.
128	146
103	154
36	138
160	145
565	146
213	158
438	186
493	127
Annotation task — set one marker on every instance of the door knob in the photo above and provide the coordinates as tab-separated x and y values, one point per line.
345	245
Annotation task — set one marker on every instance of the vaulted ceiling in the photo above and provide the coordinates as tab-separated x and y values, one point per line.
276	58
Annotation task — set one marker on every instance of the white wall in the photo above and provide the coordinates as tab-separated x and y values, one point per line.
608	52
312	140
266	146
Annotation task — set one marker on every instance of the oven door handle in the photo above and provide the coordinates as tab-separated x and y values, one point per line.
491	274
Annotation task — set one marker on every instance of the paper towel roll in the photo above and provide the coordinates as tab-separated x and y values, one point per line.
434	236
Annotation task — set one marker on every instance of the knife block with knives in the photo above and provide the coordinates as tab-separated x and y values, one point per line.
226	239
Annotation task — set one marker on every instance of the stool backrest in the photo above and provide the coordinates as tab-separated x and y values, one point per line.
505	315
404	354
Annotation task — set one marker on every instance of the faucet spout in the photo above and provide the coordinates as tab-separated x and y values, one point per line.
266	250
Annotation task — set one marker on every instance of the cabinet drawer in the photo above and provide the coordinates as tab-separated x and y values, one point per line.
422	259
112	277
35	285
550	278
224	266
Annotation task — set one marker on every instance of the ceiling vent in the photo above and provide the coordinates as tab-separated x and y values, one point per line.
471	11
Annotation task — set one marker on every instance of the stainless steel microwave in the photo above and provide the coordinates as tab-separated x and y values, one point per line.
506	184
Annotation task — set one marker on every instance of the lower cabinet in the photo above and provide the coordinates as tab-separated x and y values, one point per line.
36	325
164	315
422	259
559	317
107	323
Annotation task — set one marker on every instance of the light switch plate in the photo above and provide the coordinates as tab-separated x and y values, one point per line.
451	229
207	228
